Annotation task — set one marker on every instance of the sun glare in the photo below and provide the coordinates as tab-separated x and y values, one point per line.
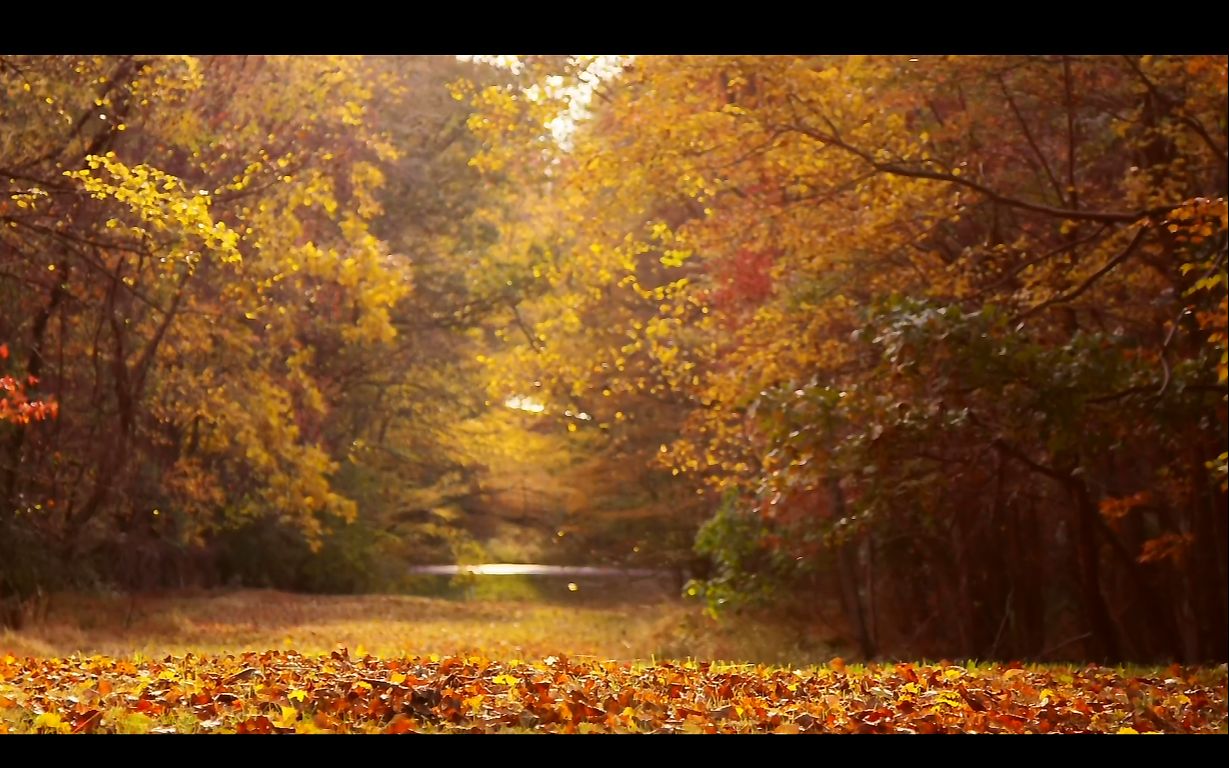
524	404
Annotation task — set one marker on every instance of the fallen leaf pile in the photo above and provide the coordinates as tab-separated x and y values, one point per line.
287	692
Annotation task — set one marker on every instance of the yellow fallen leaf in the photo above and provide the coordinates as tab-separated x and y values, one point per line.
51	721
288	718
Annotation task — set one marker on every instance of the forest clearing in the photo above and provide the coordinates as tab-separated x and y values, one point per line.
366	664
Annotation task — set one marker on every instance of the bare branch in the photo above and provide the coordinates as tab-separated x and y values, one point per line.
1028	135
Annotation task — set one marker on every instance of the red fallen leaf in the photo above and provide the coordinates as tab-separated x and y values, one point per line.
258	724
87	721
1159	717
147	707
323	721
1010	721
402	724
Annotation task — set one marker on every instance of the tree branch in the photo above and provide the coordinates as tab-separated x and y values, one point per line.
1186	120
1094	277
1028	135
1105	217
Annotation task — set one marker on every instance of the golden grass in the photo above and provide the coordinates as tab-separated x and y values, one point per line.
391	625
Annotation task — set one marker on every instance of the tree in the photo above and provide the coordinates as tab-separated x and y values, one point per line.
186	250
928	321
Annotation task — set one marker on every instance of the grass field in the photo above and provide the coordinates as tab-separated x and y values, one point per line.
271	662
388	625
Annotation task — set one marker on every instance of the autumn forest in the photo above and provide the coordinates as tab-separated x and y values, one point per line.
842	365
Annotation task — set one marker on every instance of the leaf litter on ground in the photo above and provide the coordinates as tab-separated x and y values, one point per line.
289	692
